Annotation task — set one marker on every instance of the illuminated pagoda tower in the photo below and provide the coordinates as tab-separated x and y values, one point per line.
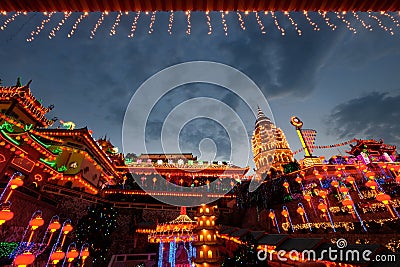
175	241
270	147
207	244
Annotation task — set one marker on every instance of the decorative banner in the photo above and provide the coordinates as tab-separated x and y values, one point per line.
24	164
328	146
309	137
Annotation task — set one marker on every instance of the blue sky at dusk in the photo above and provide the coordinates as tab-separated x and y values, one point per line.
341	84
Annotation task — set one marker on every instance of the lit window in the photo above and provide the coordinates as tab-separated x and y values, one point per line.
201	223
201	237
209	254
208	222
207	210
209	237
201	254
201	210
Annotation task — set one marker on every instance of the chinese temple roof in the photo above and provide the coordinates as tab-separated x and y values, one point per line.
177	5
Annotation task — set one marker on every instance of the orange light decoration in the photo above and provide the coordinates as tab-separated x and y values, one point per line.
300	211
285	214
335	183
308	198
66	230
24	259
299	180
36	222
370	175
57	256
286	185
84	254
271	215
385	199
371	184
344	190
14	184
398	179
323	194
5	213
72	254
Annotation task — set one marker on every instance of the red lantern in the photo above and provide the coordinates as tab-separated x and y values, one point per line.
56	256
5	215
322	207
72	254
307	197
67	228
298	179
54	226
325	168
285	213
24	259
335	183
323	194
300	211
348	203
371	184
17	182
319	176
344	190
85	253
286	185
370	175
36	222
350	179
384	198
271	215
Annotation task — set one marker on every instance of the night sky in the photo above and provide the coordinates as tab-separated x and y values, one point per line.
341	84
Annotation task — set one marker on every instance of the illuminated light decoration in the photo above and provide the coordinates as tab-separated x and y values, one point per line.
209	23
393	19
241	21
152	21
72	254
301	211
36	222
281	29
308	199
272	216
84	253
285	213
53	32
380	24
259	22
385	199
294	24
5	213
224	25
41	27
345	21
9	20
98	23
286	185
24	259
57	256
171	22
312	23
113	30
189	26
77	22
363	23
327	20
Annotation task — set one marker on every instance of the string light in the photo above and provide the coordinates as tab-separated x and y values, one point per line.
116	23
171	22
294	24
241	21
345	21
75	26
61	23
390	30
225	26
40	28
189	26
134	24
9	20
363	23
260	23
395	21
209	23
98	23
152	21
4	13
312	23
281	29
327	21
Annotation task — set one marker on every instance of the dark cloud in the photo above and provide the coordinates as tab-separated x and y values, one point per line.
374	115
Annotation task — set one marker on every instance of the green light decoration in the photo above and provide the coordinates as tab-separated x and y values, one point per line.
52	164
40	142
57	151
28	127
127	160
62	168
6	248
7	126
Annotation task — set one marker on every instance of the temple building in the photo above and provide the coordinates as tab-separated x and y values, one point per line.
270	147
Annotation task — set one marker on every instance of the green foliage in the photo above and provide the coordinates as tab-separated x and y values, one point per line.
291	167
6	248
95	228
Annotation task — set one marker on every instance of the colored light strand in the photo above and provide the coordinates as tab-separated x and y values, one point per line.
281	29
171	22
75	26
345	21
98	23
241	21
312	23
395	21
363	23
327	20
40	28
223	21
209	23
113	30
385	28
189	26
262	27
294	24
152	21
9	20
59	25
134	25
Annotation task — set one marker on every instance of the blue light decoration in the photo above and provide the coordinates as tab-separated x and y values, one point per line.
191	253
160	254
172	253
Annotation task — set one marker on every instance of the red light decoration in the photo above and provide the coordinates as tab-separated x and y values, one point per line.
322	207
6	214
24	259
67	229
15	183
57	256
54	226
72	254
36	222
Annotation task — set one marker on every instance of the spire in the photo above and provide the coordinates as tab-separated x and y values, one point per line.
261	116
183	210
